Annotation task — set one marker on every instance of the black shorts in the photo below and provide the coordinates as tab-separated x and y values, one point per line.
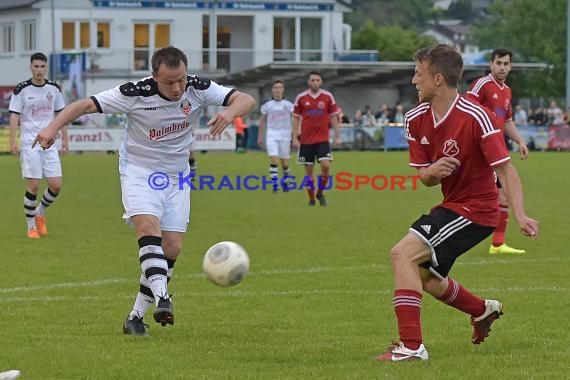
449	235
308	153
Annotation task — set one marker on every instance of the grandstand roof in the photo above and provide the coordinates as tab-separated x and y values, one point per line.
384	74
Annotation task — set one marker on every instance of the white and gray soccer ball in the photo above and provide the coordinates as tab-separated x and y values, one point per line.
226	263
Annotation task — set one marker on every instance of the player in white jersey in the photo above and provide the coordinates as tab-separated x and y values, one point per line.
277	119
33	105
153	163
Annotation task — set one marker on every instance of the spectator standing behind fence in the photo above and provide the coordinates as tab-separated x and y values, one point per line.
520	116
383	115
538	117
368	119
398	114
555	114
357	118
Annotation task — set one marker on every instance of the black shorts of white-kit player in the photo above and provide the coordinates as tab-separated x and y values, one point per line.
449	235
309	153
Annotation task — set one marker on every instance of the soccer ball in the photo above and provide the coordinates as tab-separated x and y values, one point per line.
226	263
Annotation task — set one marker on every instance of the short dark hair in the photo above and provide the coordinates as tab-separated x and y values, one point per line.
316	73
443	59
278	81
39	57
170	56
500	53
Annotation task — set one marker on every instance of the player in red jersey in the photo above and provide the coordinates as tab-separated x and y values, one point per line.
314	111
492	92
453	143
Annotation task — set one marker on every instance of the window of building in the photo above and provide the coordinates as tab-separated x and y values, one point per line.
147	38
297	38
75	35
29	35
284	39
311	39
8	37
103	35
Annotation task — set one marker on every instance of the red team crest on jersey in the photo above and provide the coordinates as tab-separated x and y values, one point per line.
450	148
185	107
49	96
321	105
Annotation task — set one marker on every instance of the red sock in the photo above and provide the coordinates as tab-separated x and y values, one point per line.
462	299
324	180
408	307
499	234
311	188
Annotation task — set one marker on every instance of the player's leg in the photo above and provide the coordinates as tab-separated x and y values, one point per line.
284	155
144	207
153	264
498	245
54	179
272	152
173	225
30	197
193	165
449	236
307	156
31	165
324	156
406	255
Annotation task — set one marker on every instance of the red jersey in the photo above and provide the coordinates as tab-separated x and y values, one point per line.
466	132
493	95
315	112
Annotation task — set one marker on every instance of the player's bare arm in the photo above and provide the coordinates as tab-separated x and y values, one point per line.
14	123
296	130
239	104
513	133
508	175
261	132
46	137
336	126
64	139
433	174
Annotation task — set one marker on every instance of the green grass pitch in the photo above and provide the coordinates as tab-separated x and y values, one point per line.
317	303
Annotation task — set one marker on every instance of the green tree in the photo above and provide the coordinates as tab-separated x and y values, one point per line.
392	41
536	30
409	13
462	10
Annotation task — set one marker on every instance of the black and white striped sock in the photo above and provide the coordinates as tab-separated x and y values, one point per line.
274	174
145	298
47	199
30	209
153	265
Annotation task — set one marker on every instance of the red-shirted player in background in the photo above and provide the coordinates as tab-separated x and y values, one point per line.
315	109
492	92
453	143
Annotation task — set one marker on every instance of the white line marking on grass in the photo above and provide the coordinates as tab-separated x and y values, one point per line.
264	272
63	285
275	294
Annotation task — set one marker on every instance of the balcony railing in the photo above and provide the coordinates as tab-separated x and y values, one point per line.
121	62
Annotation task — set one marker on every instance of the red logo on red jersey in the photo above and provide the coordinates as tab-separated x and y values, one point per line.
450	148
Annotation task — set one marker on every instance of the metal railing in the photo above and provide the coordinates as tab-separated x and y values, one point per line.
111	62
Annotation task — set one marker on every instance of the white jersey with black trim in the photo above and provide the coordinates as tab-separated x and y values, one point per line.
279	115
36	106
158	134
